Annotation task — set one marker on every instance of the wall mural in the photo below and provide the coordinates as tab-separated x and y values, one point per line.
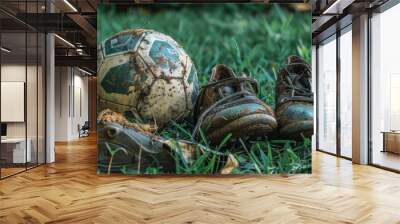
204	89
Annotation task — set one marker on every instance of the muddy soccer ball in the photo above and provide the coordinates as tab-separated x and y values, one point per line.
147	73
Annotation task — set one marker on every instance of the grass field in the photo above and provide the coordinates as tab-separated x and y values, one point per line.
254	39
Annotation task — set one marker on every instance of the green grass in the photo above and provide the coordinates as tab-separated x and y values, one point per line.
254	39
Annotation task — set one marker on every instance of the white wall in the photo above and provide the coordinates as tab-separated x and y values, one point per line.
16	72
71	102
80	110
11	73
61	104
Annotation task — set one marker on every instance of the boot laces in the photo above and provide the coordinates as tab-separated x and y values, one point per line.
297	84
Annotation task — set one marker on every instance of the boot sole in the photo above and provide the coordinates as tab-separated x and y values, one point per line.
295	129
252	125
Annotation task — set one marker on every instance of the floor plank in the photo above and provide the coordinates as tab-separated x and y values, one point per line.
70	191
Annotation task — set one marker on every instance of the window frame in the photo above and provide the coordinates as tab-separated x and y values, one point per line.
381	9
334	37
31	30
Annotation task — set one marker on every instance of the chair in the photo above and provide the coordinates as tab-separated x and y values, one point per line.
84	130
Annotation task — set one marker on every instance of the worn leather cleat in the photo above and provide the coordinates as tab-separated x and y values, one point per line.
127	146
121	147
228	104
295	109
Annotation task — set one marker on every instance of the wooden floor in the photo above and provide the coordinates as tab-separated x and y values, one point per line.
70	191
10	171
387	159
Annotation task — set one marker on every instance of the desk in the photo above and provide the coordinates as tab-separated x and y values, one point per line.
391	141
13	150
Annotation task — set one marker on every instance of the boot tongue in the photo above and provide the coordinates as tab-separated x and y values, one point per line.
297	65
295	59
221	72
300	79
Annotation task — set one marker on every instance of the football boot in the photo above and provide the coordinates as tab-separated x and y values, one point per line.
229	105
124	145
294	99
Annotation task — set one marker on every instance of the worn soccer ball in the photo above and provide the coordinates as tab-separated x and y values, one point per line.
147	73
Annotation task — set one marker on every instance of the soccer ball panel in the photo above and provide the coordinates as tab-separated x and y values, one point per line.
163	55
118	79
122	43
167	99
114	80
147	73
194	83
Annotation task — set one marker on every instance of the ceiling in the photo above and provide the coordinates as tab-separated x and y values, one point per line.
331	15
18	52
75	21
